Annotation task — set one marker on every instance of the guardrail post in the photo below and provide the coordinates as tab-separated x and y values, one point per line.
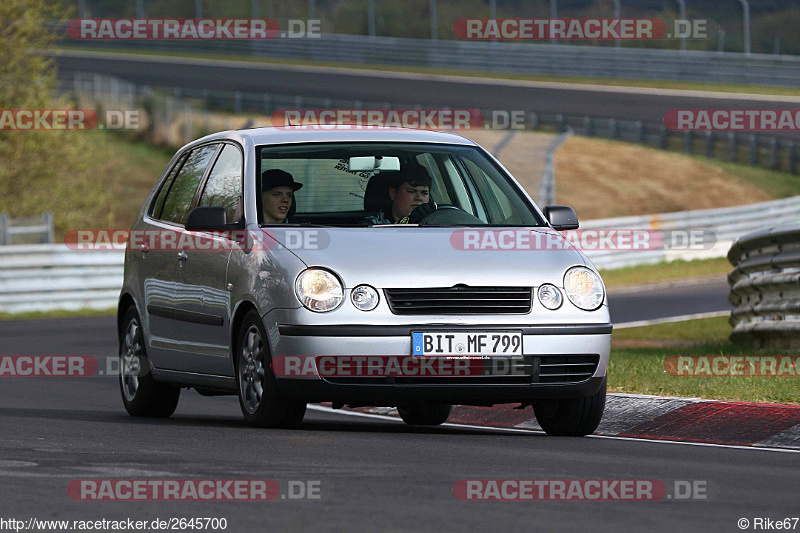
534	124
709	144
267	104
3	229
732	146
688	141
612	124
560	122
47	218
237	101
773	155
587	125
663	140
753	150
640	131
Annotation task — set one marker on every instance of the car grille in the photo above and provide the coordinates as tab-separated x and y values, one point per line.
460	300
531	369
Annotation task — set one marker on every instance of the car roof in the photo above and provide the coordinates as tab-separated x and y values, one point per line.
341	133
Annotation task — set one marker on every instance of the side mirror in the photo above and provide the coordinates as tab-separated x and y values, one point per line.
561	217
206	218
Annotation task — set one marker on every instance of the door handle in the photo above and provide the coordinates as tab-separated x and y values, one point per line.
182	256
145	249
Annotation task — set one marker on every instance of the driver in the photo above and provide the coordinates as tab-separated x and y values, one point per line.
410	192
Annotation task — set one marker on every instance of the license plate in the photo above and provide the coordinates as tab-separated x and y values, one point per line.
467	343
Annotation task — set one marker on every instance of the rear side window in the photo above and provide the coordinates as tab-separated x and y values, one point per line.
183	188
224	184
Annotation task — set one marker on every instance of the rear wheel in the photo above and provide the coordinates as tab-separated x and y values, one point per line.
261	403
574	417
141	394
424	413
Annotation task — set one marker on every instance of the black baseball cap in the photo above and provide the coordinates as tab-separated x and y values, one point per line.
276	177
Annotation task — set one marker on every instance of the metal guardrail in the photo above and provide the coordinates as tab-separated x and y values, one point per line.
9	227
43	277
765	286
725	225
487	56
51	276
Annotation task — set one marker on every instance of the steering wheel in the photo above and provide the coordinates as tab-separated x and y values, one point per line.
448	214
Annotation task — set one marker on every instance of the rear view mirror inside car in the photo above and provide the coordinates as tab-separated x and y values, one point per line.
374	164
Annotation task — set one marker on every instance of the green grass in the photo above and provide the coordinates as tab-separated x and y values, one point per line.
612	82
776	184
640	370
107	190
665	272
705	330
34	315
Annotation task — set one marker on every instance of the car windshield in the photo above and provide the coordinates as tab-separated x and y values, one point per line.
374	184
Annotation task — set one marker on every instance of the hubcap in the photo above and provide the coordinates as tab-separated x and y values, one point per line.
251	370
131	363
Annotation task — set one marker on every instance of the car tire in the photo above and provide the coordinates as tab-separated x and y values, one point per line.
141	394
261	403
574	417
424	413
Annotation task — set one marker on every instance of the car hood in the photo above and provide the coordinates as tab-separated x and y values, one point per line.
397	257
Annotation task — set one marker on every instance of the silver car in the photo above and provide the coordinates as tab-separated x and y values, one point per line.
465	294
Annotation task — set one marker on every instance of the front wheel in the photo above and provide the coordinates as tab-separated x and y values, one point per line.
425	414
574	417
141	394
261	403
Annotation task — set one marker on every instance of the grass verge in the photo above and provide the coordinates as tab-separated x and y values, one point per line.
640	369
776	184
34	315
106	192
666	272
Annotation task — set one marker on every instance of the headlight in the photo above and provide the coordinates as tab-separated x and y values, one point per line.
365	298
584	288
550	296
318	290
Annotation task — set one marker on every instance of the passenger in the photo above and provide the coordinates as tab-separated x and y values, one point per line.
410	192
278	188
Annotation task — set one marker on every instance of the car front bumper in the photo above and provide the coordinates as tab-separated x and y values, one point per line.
542	345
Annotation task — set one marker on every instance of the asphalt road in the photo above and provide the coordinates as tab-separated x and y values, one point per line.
400	88
669	300
373	474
